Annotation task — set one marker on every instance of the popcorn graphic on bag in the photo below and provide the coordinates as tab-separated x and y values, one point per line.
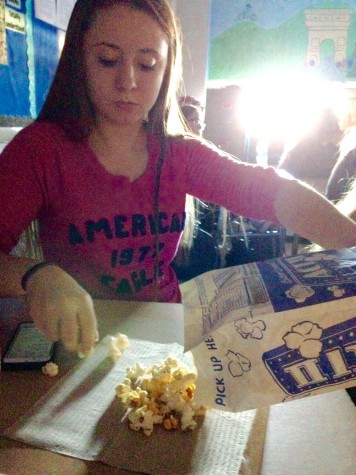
250	329
337	291
312	358
238	364
300	293
305	337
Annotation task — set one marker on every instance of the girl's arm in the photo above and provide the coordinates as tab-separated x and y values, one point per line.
309	214
12	270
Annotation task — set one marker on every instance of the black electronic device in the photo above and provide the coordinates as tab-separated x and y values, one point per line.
28	349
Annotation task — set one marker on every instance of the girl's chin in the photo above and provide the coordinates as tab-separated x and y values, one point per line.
120	121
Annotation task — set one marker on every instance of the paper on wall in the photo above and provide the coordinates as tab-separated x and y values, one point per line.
272	331
3	45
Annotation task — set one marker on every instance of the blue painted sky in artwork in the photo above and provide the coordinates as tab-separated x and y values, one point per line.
266	13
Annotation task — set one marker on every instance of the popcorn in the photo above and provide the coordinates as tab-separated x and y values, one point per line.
143	418
121	341
117	345
161	394
50	369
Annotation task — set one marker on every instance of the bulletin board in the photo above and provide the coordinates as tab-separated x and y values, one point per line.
14	81
250	39
29	54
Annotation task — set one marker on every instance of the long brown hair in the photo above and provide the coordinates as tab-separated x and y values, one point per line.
68	104
347	203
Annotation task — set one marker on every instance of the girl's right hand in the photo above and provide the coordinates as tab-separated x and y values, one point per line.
61	309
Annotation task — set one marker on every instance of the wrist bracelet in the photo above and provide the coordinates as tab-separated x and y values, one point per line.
32	270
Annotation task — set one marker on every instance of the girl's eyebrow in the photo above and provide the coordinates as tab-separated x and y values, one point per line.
147	51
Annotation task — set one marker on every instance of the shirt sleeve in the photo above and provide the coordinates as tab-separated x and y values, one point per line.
244	189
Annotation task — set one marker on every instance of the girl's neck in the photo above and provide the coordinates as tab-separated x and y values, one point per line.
124	138
121	151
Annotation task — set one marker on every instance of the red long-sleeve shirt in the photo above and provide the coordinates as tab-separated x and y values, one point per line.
100	227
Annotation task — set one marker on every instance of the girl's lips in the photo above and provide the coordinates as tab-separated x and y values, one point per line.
126	105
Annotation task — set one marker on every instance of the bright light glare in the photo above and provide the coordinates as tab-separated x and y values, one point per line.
285	108
61	38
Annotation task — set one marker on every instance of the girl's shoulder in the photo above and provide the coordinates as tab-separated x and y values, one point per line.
179	146
37	139
40	142
40	131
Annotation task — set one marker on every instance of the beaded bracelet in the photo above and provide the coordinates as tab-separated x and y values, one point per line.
32	270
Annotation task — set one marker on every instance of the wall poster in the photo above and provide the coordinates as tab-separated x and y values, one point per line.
258	38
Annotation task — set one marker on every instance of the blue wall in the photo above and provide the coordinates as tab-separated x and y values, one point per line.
32	60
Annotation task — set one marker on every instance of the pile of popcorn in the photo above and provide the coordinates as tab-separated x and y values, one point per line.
161	394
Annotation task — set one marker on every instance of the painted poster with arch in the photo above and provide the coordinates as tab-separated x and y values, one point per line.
255	38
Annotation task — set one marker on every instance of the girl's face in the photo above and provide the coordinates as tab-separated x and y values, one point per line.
125	56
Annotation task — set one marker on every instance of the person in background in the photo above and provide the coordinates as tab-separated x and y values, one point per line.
344	171
347	202
193	117
193	114
105	170
315	154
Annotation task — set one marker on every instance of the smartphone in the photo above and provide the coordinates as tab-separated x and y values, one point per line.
28	349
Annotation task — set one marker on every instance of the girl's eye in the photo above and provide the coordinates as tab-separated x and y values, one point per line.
107	63
147	67
111	63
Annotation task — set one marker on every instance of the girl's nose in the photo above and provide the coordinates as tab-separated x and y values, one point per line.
126	77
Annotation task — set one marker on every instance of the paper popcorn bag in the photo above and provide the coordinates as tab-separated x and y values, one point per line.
268	332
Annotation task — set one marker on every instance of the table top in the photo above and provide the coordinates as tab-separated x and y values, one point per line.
299	434
19	390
